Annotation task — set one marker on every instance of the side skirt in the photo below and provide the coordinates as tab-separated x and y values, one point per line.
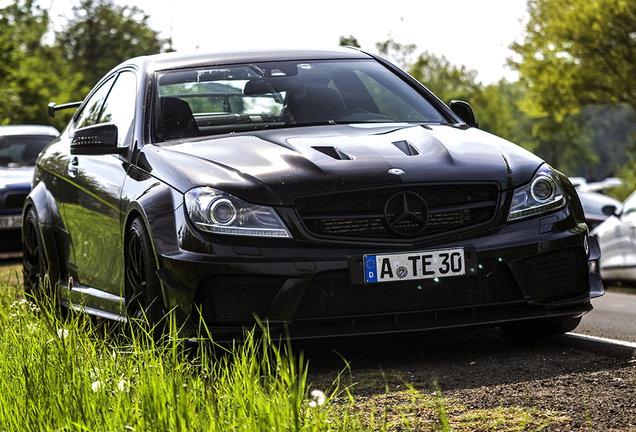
102	304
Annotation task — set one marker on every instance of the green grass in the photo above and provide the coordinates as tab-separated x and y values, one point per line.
73	375
58	375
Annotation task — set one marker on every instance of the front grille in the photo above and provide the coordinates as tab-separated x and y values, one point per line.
14	200
331	295
561	274
363	214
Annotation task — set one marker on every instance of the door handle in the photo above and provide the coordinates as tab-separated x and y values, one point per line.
73	168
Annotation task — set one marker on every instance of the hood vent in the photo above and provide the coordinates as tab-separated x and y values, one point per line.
407	148
334	152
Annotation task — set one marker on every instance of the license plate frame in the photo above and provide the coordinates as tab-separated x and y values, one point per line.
417	265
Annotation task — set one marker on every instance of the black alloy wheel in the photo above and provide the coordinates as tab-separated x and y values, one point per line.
33	261
143	290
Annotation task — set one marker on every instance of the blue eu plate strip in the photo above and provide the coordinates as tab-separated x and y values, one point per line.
370	269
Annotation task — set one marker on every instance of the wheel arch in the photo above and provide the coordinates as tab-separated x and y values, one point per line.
159	224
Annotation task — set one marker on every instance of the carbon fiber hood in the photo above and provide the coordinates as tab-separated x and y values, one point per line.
273	166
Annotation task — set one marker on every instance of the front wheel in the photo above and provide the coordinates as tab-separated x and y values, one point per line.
143	290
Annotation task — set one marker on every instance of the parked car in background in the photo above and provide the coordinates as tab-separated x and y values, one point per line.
19	148
326	193
597	207
583	185
617	239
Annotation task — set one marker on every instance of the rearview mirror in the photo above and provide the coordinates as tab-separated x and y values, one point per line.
99	139
464	112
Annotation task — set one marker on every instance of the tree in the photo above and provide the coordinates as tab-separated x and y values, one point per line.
396	52
349	41
102	34
444	79
30	70
574	55
497	110
577	53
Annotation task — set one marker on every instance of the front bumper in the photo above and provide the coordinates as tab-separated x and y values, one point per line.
528	270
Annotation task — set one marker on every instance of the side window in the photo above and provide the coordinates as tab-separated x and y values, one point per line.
119	107
90	112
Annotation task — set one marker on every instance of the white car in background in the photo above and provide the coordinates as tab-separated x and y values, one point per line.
617	239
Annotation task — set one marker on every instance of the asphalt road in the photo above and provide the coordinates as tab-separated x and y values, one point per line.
613	317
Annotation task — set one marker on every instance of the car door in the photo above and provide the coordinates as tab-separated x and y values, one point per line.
619	240
93	217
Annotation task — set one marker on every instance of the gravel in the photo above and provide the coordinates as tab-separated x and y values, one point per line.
593	385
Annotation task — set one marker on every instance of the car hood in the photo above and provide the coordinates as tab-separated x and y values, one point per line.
273	166
16	177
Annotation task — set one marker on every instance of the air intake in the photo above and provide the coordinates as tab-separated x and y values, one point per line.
407	148
334	152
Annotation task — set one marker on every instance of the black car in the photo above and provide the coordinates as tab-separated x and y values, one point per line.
326	193
19	147
597	207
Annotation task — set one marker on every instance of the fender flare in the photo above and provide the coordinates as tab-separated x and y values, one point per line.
158	220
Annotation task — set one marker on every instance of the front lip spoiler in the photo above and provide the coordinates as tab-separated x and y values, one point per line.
429	322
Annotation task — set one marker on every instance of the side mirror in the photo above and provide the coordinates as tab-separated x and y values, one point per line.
464	112
609	210
99	139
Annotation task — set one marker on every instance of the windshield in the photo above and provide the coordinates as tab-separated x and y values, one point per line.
258	96
20	150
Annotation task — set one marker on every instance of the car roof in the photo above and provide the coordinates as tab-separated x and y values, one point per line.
176	60
28	130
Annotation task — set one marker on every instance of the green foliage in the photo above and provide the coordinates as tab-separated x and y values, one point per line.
398	53
575	54
627	174
446	80
497	110
34	72
349	41
102	34
612	131
30	70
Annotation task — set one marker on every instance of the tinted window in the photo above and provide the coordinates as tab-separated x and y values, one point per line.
21	150
92	109
119	107
258	96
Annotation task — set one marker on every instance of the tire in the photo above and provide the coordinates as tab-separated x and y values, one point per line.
533	330
144	301
34	266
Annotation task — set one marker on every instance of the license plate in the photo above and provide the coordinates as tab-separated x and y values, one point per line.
414	265
14	221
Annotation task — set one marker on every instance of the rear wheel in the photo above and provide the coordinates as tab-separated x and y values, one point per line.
532	330
143	290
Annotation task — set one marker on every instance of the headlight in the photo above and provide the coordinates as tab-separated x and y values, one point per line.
217	212
542	195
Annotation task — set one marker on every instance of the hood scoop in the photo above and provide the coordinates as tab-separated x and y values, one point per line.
406	148
334	152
